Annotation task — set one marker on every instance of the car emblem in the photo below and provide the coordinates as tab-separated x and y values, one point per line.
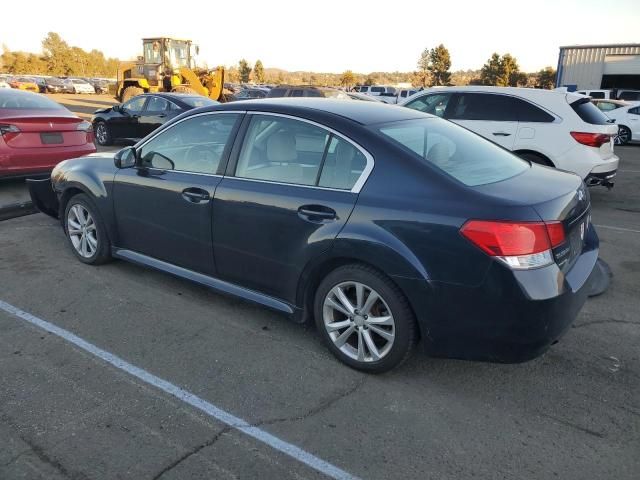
582	231
580	195
51	124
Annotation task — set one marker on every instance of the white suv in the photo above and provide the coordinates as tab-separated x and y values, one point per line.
554	128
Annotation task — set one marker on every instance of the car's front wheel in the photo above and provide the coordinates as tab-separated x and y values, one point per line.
364	319
86	231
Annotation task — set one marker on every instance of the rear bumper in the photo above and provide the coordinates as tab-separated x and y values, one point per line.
25	161
513	316
43	196
606	179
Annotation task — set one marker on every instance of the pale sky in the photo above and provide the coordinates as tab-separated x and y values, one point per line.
329	35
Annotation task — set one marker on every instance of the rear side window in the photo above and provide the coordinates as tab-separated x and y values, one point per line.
527	112
484	106
377	89
465	156
629	96
277	92
343	165
589	113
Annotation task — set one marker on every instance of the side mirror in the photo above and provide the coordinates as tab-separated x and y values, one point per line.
125	158
116	108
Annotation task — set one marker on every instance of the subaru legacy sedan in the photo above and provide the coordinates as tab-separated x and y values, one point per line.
383	225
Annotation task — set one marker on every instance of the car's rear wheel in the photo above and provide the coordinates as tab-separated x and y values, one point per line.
364	319
103	133
624	135
86	231
131	92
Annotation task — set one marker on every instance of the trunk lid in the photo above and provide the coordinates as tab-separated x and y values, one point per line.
555	196
43	130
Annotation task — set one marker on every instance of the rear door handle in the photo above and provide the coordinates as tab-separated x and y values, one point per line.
162	115
317	213
501	134
195	195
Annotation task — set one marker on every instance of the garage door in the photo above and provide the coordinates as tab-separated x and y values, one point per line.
622	65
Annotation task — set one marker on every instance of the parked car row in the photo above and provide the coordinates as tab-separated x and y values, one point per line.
55	84
613	94
382	224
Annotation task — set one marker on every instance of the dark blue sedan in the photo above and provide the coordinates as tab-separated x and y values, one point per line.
383	225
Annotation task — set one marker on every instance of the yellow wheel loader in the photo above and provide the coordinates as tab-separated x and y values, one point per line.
168	65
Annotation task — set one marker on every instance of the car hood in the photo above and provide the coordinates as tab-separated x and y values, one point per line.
104	110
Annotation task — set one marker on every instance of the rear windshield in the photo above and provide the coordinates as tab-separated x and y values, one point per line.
589	113
196	102
465	156
19	100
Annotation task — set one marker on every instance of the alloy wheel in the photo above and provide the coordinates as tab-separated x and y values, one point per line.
622	137
82	232
359	321
101	133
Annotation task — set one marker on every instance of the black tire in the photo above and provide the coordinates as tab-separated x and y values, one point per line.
102	133
102	252
536	158
131	92
405	329
184	89
624	135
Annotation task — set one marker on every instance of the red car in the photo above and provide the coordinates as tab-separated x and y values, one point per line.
37	133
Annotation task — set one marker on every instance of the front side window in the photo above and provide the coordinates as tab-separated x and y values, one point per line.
435	104
483	106
157	104
135	104
194	145
456	151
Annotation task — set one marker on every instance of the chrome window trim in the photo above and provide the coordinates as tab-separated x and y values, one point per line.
357	186
139	147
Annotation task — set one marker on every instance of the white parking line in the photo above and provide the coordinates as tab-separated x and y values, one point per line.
187	397
620	229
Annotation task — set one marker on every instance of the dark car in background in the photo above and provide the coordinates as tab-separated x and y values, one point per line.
54	85
306	91
100	86
250	94
383	224
141	115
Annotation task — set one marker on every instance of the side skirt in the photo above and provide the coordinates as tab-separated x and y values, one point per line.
211	282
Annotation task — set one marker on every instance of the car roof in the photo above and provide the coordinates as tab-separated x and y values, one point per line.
365	113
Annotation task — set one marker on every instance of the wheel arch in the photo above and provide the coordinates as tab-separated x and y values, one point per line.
535	153
319	268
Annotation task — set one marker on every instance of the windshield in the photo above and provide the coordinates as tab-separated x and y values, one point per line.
465	156
19	100
178	53
196	102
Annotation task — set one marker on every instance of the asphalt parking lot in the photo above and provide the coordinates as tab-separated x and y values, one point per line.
167	362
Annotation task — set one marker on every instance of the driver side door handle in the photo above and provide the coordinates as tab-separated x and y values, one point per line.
502	134
195	195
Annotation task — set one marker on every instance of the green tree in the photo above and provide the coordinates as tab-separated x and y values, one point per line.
347	79
371	79
422	76
502	71
438	65
258	72
546	78
244	70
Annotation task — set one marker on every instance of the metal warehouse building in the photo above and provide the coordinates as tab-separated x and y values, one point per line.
599	66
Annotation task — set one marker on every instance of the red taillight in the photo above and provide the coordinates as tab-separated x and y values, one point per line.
8	132
591	139
506	239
